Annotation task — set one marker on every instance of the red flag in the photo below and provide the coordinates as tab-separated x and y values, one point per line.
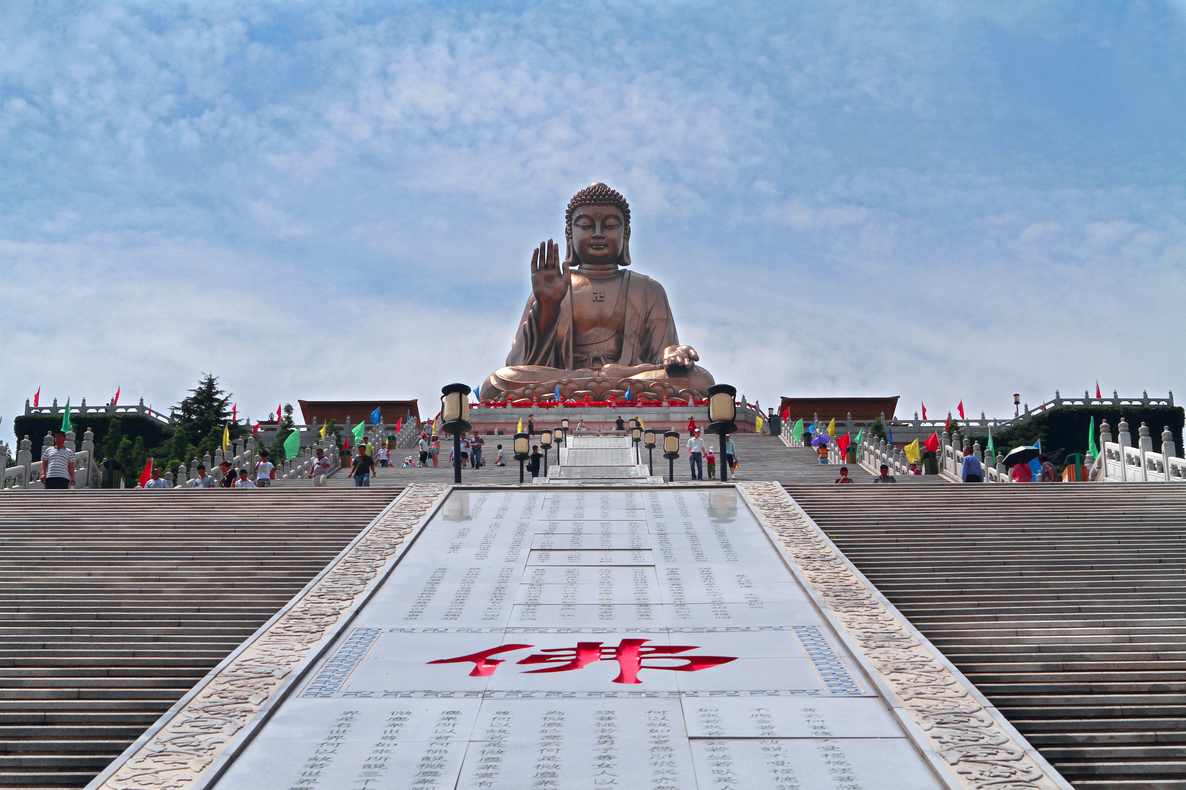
932	443
280	414
255	429
961	410
786	413
115	402
234	410
398	424
37	395
146	475
1097	390
924	411
842	444
947	425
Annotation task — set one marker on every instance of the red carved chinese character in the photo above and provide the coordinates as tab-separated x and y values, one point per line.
630	655
484	665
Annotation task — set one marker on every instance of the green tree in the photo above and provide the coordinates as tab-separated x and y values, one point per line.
179	450
115	435
206	407
286	426
125	456
878	429
139	457
953	426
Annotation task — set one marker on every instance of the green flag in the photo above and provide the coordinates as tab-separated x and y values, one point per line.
797	431
860	435
358	432
292	444
990	456
1091	445
66	426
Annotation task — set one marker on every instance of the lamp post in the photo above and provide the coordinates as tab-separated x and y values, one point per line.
722	410
636	437
648	441
671	452
455	415
564	428
522	451
545	441
1016	404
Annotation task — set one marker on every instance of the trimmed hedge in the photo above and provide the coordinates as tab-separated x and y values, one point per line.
35	426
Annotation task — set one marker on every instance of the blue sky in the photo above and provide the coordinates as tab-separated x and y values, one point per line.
929	199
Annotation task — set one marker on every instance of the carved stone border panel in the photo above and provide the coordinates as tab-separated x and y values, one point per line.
175	756
983	753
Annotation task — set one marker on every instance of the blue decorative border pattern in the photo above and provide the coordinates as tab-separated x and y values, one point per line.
333	673
837	679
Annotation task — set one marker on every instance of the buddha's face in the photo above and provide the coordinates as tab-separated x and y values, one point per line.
598	234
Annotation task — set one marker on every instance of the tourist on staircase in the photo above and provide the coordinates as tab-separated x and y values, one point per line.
971	471
320	470
424	451
710	460
244	480
885	476
157	481
533	464
229	476
57	463
844	478
695	455
731	459
436	450
265	470
362	468
476	451
203	480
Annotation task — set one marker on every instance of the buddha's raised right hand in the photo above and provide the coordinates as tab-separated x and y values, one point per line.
550	278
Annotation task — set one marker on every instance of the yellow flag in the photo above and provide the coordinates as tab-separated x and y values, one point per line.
912	453
832	428
226	437
641	424
758	424
323	430
520	428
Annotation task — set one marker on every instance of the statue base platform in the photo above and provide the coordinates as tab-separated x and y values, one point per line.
503	419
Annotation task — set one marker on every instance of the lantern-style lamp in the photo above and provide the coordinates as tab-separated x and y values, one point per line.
455	416
636	437
648	441
722	411
671	452
545	441
564	428
522	451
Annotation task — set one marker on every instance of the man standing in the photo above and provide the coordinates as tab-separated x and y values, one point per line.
57	463
424	450
360	470
530	425
533	464
619	424
157	481
695	455
730	454
971	471
885	476
476	451
320	470
203	480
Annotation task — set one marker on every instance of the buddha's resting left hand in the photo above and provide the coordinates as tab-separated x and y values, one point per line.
678	359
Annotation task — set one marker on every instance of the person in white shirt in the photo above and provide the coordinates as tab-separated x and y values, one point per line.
57	463
501	459
384	457
203	480
320	470
265	470
244	481
157	481
696	456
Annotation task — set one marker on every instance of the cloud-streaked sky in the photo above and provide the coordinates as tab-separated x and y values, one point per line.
937	200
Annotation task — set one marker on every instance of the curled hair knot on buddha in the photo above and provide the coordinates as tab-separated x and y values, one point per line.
598	194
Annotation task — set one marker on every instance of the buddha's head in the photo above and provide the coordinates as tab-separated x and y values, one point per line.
597	226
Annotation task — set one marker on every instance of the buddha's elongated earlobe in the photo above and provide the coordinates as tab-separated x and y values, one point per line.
625	259
570	259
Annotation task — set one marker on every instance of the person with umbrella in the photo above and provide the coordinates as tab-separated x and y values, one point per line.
1018	464
821	444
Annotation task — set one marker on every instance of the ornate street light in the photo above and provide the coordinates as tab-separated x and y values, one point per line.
671	452
722	411
636	437
545	441
522	451
1016	404
648	441
564	428
455	416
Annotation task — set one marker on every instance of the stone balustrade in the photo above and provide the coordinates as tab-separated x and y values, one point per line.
25	475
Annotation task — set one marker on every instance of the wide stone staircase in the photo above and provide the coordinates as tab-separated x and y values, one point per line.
1064	603
115	603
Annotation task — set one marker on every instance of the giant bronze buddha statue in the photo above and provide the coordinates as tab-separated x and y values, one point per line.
591	327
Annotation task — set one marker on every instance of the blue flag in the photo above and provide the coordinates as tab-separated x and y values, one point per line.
1035	464
890	433
557	393
375	417
627	393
